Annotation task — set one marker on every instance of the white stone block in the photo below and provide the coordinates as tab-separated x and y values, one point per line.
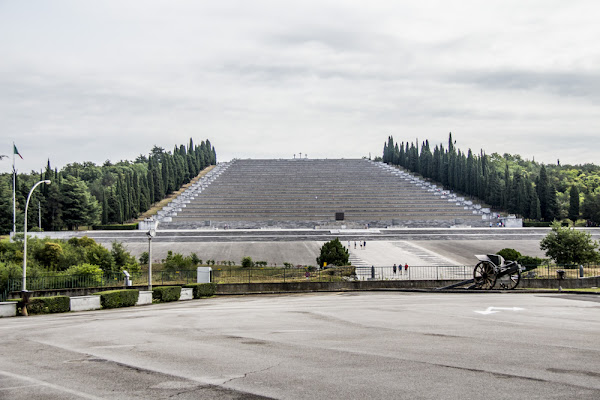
8	309
186	294
85	303
145	297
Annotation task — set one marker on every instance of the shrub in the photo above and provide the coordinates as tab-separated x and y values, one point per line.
176	261
124	227
144	257
536	224
247	262
166	293
509	254
48	305
49	255
88	275
122	257
528	261
333	253
118	298
202	289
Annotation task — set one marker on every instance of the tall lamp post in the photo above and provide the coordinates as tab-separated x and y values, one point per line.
151	234
24	287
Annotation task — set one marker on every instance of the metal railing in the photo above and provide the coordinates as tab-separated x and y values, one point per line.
236	274
572	271
59	281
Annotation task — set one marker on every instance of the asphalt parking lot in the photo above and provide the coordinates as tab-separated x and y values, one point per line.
352	345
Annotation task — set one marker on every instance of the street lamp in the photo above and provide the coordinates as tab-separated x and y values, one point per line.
24	287
151	234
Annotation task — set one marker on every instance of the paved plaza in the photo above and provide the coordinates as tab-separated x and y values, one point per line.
355	345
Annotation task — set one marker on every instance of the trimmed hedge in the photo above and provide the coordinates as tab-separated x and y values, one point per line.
166	293
124	227
118	298
47	305
202	289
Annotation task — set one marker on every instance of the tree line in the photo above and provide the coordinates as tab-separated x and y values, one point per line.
86	194
531	190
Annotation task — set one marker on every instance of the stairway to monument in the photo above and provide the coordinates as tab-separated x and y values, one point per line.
304	193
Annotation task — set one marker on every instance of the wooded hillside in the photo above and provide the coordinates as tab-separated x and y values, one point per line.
86	194
534	191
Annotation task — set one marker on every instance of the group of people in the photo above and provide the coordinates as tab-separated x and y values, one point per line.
363	244
399	268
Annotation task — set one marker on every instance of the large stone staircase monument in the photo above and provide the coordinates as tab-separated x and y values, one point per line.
303	193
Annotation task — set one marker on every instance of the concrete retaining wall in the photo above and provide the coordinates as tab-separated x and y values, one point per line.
565	284
8	309
85	303
144	298
186	294
238	288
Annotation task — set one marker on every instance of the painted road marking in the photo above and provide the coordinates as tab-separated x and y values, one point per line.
492	310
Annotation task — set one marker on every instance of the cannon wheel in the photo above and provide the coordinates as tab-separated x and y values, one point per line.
509	281
484	275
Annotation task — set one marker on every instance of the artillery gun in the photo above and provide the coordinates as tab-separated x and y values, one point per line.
492	271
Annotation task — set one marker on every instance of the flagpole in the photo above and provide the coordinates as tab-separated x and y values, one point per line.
14	194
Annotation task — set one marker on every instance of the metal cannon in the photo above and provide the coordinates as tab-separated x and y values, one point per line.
492	271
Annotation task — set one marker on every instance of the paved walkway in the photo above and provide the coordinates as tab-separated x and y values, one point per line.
390	345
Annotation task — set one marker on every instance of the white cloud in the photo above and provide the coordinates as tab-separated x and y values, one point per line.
92	81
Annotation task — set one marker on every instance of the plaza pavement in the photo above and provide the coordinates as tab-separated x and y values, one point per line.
357	345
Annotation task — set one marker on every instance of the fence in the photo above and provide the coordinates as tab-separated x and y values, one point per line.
572	271
277	274
274	274
50	282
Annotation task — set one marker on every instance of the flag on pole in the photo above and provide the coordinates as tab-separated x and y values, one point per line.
15	151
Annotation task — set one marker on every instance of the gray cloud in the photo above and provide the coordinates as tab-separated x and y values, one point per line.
572	83
328	78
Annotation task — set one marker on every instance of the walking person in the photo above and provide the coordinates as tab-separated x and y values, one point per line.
355	245
394	269
406	267
365	244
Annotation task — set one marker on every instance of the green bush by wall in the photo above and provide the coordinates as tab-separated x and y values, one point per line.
118	298
202	289
48	305
124	227
166	293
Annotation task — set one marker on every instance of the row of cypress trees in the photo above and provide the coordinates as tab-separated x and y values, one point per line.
85	194
166	172
477	175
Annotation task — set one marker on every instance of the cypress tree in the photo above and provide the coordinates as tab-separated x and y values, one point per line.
552	204
104	208
165	174
137	192
543	192
574	203
150	183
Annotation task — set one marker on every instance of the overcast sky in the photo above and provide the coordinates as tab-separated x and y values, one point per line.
96	80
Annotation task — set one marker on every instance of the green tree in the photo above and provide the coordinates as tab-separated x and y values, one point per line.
509	254
246	262
49	255
333	253
574	203
569	246
5	206
122	258
78	206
